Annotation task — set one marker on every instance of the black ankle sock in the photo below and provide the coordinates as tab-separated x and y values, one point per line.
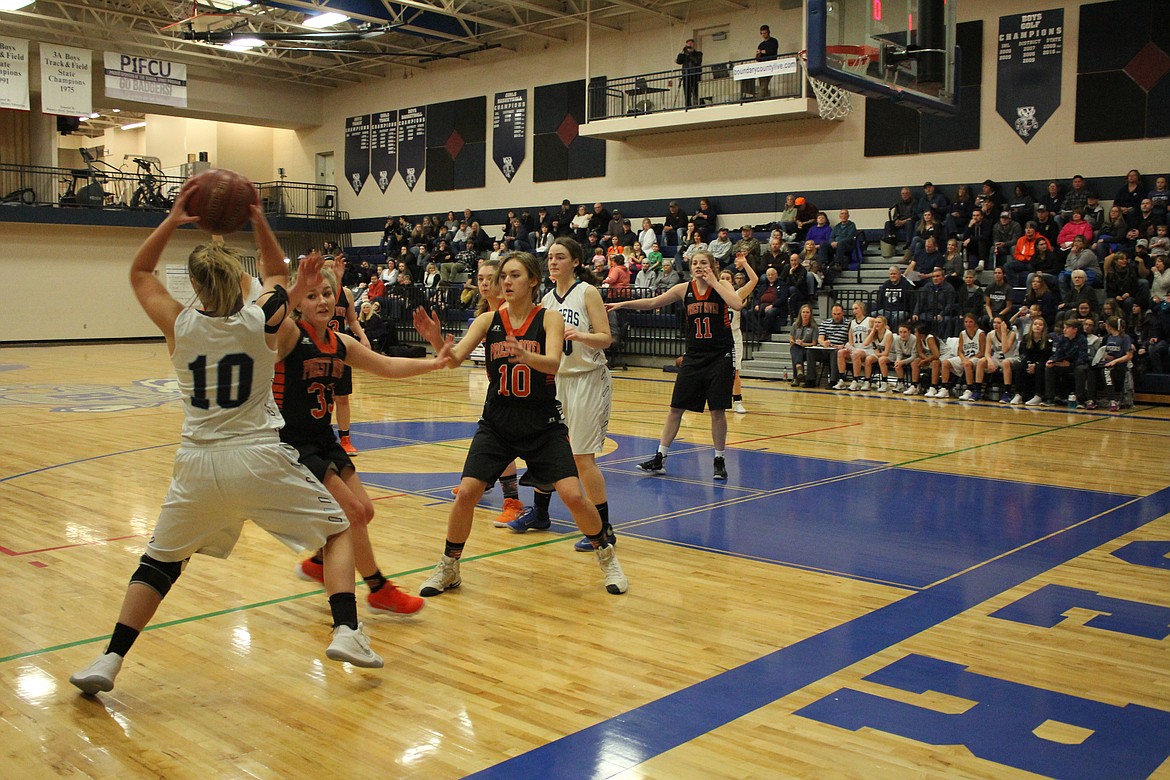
453	549
375	582
736	397
122	639
541	501
597	539
603	510
318	558
344	609
509	486
342	433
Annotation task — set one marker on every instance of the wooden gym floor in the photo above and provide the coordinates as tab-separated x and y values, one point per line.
885	587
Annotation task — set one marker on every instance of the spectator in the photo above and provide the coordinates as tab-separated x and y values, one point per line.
648	277
838	253
1070	356
669	278
1045	262
972	348
1082	258
617	281
1004	239
1075	198
794	287
766	51
802	338
777	256
903	350
1119	351
1160	196
1146	220
959	214
704	218
806	217
893	297
1130	195
692	242
1076	226
929	259
580	225
1113	234
750	246
654	258
544	241
1159	280
989	199
787	221
1053	198
1156	337
647	237
856	350
954	263
1078	292
615	224
1094	213
1123	280
936	304
928	356
833	335
1022	205
904	216
927	228
1040	295
431	278
563	220
977	241
969	298
1046	225
720	248
935	202
1035	350
626	237
691	60
770	303
674	224
599	221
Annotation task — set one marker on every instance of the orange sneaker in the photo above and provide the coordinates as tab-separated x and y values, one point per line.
311	571
348	446
389	600
512	509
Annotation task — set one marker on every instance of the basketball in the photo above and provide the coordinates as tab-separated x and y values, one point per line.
221	199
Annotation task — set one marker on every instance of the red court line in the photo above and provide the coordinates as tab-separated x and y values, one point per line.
796	433
13	553
396	495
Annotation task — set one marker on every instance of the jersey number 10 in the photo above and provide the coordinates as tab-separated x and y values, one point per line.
233	381
515	380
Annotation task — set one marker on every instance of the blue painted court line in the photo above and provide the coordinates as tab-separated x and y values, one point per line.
629	739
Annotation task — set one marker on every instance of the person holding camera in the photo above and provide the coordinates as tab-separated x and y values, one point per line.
691	60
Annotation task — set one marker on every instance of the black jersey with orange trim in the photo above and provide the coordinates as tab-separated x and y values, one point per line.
303	385
708	328
519	396
338	321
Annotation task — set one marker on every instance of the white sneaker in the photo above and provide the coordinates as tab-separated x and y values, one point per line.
899	387
881	387
979	268
966	396
911	390
943	393
931	392
1034	401
865	386
840	385
739	408
615	579
1017	399
98	676
444	577
353	646
854	386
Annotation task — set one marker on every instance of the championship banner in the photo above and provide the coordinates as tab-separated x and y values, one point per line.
509	128
384	148
1031	49
752	70
14	74
412	144
146	79
357	151
66	80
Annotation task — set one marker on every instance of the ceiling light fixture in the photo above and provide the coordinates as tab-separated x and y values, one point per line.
133	125
246	43
325	20
14	5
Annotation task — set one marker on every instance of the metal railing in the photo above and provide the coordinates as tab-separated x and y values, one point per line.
714	85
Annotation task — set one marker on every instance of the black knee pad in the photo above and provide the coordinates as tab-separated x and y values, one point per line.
159	576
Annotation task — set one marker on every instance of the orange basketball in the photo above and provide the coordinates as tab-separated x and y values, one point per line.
221	199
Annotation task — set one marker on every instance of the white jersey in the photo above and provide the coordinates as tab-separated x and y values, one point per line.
969	345
858	331
225	369
578	358
904	348
995	348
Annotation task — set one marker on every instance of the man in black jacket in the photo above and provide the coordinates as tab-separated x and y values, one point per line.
691	60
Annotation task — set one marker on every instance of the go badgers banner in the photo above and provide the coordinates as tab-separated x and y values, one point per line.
1031	48
146	80
14	74
66	80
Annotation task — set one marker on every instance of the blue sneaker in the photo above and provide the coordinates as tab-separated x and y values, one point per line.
528	521
584	545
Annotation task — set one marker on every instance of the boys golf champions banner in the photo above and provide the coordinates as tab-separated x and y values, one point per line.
509	126
1031	48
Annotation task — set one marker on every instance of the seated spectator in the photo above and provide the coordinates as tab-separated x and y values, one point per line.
1146	220
833	335
787	219
1076	198
636	259
802	338
600	263
669	277
989	199
373	325
879	344
904	216
806	217
647	237
1130	195
1123	280
674	225
1081	258
1070	357
770	303
1052	199
926	228
972	347
1022	206
1078	292
794	286
894	298
1160	196
934	201
580	225
375	287
935	304
1113	234
820	231
903	350
459	239
654	258
544	241
999	296
1016	255
704	219
776	256
615	247
969	298
1159	280
930	259
1040	295
626	237
750	246
720	248
1046	226
954	263
617	281
648	277
431	277
855	351
1076	226
1035	350
977	242
692	242
1045	262
999	356
599	221
1160	243
929	357
959	214
838	252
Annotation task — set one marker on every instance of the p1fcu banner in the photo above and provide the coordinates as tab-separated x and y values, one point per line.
14	74
1031	53
412	144
509	128
66	80
146	80
357	151
384	148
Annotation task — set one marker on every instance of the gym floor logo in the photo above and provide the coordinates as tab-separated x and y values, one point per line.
141	394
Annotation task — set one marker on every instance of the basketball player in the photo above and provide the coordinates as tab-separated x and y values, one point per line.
344	316
313	358
584	385
231	465
745	292
708	366
521	418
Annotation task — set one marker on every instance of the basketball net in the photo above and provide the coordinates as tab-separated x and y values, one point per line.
833	102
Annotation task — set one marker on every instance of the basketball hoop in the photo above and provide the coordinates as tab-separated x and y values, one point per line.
833	102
